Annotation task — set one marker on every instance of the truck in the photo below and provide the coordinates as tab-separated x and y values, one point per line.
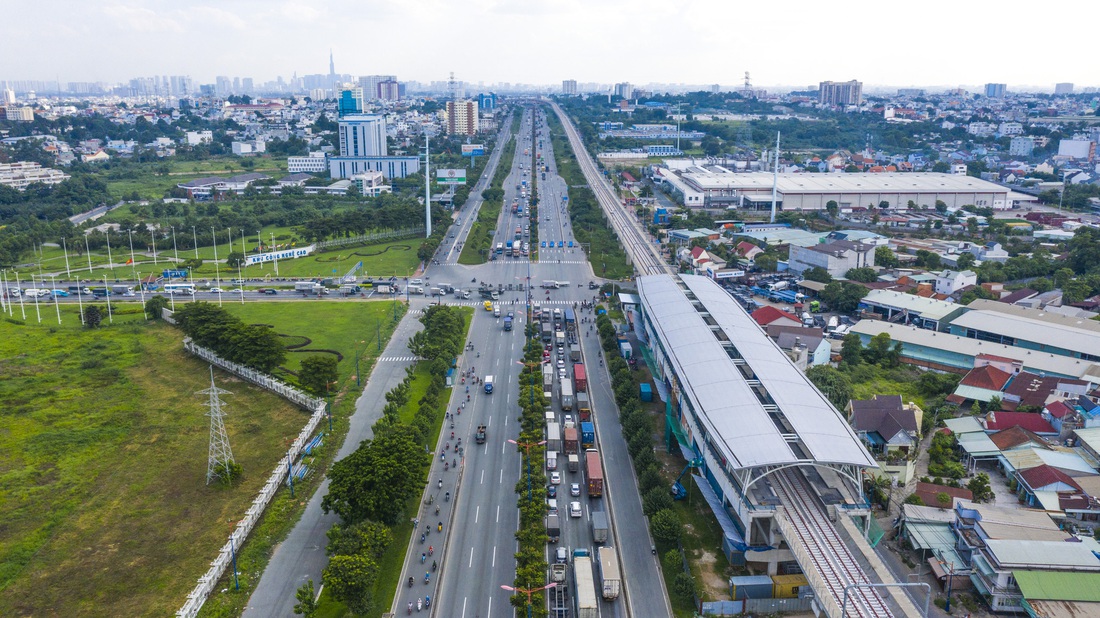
574	462
584	409
625	349
593	473
559	340
309	287
517	248
588	434
610	579
507	322
571	440
553	436
551	460
600	527
586	588
123	290
570	320
550	285
575	353
547	377
580	378
566	390
479	435
547	332
488	385
553	530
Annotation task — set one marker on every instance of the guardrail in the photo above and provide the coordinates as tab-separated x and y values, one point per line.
198	596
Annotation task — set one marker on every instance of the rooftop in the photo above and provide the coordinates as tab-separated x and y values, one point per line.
928	308
704	331
1058	585
1033	325
1049	555
916	182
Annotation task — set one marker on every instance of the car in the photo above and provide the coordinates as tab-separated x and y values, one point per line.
543	244
555	478
560	244
466	294
217	291
561	556
568	422
551	491
416	282
575	489
574	509
561	363
547	218
561	373
512	314
271	291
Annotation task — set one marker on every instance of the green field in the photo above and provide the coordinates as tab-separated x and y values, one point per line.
104	445
148	181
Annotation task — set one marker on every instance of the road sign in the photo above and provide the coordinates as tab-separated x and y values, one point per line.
451	177
175	274
473	150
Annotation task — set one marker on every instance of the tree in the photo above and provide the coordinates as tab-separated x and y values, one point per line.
766	262
154	307
235	259
656	500
832	208
378	479
851	350
684	585
979	486
843	296
307	600
818	274
318	372
941	167
829	380
93	316
879	351
863	274
350	579
914	499
886	258
666	526
941	206
965	260
369	538
943	500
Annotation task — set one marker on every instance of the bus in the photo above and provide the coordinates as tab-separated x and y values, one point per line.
180	288
500	248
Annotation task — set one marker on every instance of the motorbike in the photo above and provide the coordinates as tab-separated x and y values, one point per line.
410	582
427	577
435	565
419	604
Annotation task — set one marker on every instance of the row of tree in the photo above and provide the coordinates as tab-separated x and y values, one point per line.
214	328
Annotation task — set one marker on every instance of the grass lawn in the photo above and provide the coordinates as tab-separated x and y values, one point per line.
104	443
884	385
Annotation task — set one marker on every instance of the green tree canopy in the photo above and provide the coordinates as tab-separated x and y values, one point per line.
843	296
818	274
885	258
831	381
863	274
377	480
350	579
318	373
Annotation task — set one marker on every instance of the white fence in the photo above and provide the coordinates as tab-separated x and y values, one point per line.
367	238
278	476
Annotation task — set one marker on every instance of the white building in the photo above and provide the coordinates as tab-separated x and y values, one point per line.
20	174
951	281
836	257
981	129
250	147
371	184
19	114
1077	148
315	163
194	138
1010	128
362	135
1021	147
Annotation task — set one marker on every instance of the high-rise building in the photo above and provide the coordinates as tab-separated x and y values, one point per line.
569	87
1063	88
9	97
487	101
222	85
362	135
389	90
840	93
462	117
350	101
995	91
247	86
371	85
624	90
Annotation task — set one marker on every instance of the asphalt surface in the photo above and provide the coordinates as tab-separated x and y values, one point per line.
476	547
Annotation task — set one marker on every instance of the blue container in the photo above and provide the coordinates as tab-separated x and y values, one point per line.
646	392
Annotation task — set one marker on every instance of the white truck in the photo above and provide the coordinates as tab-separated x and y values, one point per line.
611	581
308	287
587	606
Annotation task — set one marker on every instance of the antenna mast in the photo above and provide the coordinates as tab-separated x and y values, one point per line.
220	460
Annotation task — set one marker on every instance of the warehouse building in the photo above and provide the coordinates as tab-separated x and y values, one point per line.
717	187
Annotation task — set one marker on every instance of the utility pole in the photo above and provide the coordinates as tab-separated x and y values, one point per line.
427	190
220	458
775	176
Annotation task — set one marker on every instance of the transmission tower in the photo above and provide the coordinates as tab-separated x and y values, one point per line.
220	460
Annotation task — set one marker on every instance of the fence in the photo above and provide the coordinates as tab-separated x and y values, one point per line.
209	579
369	238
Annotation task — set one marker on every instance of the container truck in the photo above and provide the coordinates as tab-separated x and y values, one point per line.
307	287
593	473
588	435
517	248
580	379
566	394
553	528
553	436
570	319
583	407
547	377
559	340
547	332
586	588
488	385
600	527
571	441
609	572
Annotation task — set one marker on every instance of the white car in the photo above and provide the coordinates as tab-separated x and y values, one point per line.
416	282
555	478
552	505
561	363
574	509
575	489
216	291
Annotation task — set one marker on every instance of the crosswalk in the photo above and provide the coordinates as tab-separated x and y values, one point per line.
554	261
397	359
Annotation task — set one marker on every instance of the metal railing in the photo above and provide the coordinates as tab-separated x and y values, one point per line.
202	590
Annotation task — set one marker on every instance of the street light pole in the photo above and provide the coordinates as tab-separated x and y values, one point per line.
529	592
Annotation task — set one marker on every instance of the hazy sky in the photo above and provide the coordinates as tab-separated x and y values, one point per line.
793	43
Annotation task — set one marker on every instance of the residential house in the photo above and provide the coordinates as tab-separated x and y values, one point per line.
837	257
768	315
812	340
891	430
982	383
928	492
1033	422
747	250
1044	478
950	282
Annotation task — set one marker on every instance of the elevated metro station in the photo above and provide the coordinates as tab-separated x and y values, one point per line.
775	459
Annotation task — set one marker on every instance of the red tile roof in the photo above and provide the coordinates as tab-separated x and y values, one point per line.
768	314
1032	389
1046	475
1059	409
927	493
987	377
1007	439
996	421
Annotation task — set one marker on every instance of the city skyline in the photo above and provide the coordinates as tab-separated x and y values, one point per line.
565	40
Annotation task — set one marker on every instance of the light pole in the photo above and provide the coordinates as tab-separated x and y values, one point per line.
526	446
950	576
529	592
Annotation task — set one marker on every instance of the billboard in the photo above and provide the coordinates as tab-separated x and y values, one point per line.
175	274
450	177
473	150
278	255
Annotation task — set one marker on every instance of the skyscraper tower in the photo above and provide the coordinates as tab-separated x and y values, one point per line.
331	64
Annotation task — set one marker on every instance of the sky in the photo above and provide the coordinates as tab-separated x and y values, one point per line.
793	44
